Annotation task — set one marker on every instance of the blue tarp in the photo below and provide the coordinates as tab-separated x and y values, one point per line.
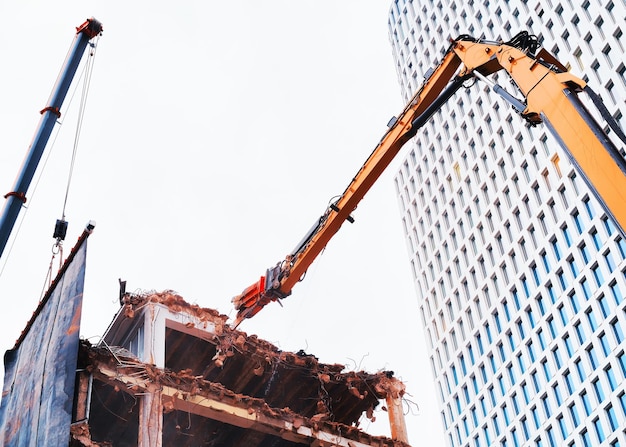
37	396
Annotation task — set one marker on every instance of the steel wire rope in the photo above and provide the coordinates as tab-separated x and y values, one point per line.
85	76
38	177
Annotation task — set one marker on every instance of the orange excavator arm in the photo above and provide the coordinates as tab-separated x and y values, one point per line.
549	96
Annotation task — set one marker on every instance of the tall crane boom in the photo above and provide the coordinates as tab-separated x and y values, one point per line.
84	33
550	96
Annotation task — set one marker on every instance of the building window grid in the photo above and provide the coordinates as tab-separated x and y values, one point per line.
613	294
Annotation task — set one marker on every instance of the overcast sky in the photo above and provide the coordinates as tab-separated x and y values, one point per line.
215	135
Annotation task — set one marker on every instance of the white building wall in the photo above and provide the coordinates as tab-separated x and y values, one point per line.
519	272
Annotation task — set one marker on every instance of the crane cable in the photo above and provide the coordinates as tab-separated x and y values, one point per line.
61	224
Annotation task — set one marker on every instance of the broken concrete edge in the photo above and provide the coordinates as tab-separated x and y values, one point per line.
227	339
183	392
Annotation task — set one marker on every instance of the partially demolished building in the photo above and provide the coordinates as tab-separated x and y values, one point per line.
171	373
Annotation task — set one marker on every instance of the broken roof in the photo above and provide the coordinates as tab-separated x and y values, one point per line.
239	381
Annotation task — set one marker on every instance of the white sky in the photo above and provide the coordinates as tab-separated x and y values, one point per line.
215	135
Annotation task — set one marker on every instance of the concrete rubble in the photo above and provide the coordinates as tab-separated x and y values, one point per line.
172	373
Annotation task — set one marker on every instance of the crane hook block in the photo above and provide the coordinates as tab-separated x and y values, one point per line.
60	230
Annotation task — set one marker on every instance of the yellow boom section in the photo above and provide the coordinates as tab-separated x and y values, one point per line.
550	96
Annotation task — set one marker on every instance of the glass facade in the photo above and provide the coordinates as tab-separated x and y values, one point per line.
520	272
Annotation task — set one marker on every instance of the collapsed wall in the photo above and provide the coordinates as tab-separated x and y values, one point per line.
172	373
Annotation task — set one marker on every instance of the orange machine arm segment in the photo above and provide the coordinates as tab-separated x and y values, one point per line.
279	281
549	96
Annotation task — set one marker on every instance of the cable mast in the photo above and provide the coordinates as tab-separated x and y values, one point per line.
49	115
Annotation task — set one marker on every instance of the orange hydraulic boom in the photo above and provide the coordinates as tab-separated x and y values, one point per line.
550	96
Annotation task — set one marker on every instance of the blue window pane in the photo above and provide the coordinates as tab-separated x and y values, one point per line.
586	439
617	295
546	262
609	226
562	281
563	315
557	393
542	309
496	319
612	417
589	208
593	358
525	392
546	406
580	369
586	289
505	412
556	250
515	440
474	416
617	331
501	351
622	362
579	333
586	403
507	314
597	388
502	385
610	263
511	374
516	295
551	439
511	340
562	427
520	363
535	381
486	433
496	426
536	419
597	425
552	327
531	318
542	340
604	342
573	299
492	396
578	222
483	373
597	240
604	306
621	244
610	375
567	236
584	251
568	345
479	343
536	277
525	429
573	411
592	320
569	382
573	266
557	357
597	275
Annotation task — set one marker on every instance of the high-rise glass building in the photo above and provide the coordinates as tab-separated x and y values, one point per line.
518	268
